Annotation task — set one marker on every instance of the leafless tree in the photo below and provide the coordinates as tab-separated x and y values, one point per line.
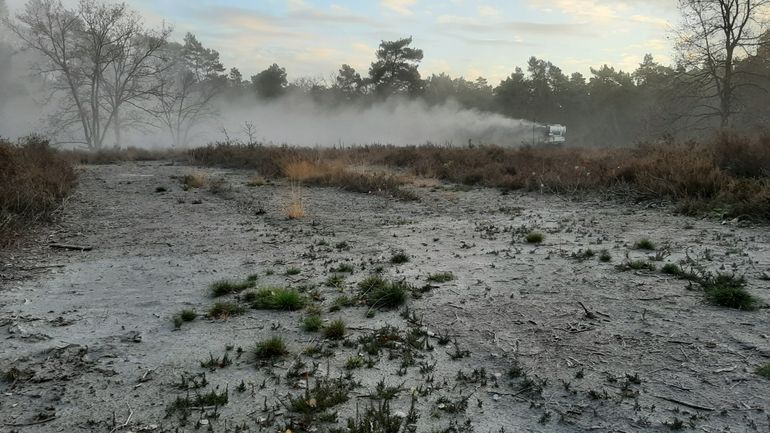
97	58
190	78
713	36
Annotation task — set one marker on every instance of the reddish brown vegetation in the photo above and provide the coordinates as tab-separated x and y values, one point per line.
34	180
727	174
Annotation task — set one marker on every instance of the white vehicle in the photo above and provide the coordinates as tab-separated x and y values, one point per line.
548	134
555	134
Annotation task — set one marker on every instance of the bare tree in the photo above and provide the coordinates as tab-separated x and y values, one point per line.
190	78
713	36
97	58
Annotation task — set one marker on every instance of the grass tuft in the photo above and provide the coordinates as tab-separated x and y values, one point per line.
184	316
335	330
672	269
224	310
227	287
441	277
276	299
764	371
729	291
644	244
272	348
534	238
605	256
312	323
379	293
399	258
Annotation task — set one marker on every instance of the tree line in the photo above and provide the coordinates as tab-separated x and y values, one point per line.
109	72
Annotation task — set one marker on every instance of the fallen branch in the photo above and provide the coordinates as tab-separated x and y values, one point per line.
589	314
128	420
71	247
24	424
684	403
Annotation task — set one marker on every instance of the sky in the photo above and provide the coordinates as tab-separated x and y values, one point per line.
468	38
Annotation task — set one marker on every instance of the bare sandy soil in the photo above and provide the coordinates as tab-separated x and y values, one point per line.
89	343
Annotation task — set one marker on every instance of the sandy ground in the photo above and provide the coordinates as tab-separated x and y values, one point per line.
89	343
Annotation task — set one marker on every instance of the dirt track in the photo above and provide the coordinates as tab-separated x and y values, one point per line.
91	336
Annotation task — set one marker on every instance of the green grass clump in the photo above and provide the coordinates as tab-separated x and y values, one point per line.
534	238
336	281
354	362
672	269
605	257
227	287
223	310
441	277
275	299
184	316
380	293
764	371
335	330
341	302
729	291
399	258
644	244
271	348
312	323
343	268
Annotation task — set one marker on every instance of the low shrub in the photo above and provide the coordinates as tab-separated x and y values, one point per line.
35	181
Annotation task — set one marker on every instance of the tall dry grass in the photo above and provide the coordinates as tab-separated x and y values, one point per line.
728	174
34	181
131	154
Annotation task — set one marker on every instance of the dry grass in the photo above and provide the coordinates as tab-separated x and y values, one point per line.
112	156
256	180
296	171
728	174
195	180
35	181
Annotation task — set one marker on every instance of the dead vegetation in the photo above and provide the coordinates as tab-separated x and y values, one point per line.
131	154
727	175
35	181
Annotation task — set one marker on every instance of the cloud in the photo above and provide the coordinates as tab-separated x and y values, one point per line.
488	11
520	28
401	7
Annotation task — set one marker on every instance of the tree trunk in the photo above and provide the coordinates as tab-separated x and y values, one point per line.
116	121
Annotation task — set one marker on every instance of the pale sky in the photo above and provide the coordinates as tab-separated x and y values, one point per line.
460	37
